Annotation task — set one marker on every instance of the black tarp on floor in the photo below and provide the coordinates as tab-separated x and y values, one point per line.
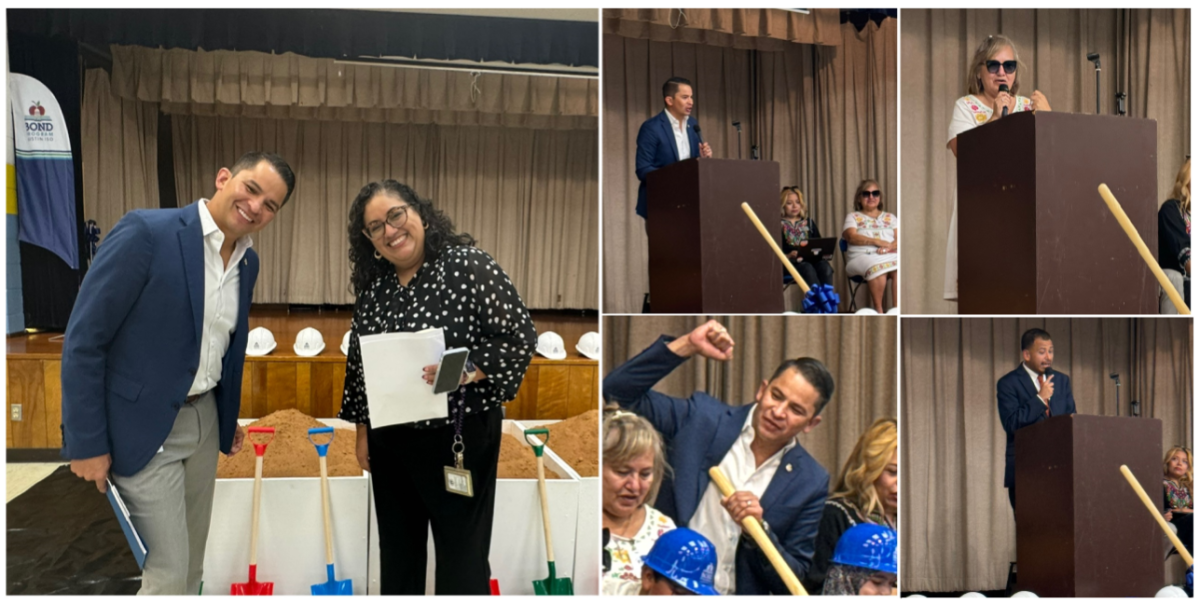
63	538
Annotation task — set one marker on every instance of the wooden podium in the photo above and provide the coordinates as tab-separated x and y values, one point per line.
1034	236
706	257
1081	530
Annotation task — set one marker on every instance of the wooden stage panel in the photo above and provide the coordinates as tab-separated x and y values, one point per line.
282	379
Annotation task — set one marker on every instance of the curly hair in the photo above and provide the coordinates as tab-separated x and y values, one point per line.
1187	479
440	234
870	456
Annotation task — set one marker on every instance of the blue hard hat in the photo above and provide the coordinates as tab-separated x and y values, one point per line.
867	546
686	558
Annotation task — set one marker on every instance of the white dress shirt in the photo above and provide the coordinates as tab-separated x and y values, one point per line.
1033	375
682	144
220	301
711	519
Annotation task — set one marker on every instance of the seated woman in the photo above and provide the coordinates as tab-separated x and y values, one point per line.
634	463
873	236
864	563
866	492
798	229
1177	492
994	65
1175	234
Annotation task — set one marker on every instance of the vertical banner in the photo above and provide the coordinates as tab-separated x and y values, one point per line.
45	173
14	319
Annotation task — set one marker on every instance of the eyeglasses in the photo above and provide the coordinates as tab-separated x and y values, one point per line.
1010	67
875	193
396	217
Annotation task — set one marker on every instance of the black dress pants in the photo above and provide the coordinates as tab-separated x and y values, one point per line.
410	497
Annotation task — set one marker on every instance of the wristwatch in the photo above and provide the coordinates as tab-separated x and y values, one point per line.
470	371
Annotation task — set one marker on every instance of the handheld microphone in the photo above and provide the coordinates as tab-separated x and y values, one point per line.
1004	110
696	127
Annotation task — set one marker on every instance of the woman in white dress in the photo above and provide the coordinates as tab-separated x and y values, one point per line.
872	236
634	464
995	63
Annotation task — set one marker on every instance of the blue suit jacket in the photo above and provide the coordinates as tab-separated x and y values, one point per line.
132	346
656	148
698	432
1020	406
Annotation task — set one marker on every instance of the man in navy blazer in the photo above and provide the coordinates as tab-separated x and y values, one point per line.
668	137
755	445
1029	394
152	361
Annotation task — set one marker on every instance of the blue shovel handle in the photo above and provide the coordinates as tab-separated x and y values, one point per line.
322	448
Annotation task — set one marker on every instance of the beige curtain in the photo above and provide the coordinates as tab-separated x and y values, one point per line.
959	533
747	28
530	197
119	144
1143	52
860	352
827	114
291	86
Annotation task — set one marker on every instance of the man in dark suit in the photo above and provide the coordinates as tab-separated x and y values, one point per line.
152	361
756	446
668	137
1029	394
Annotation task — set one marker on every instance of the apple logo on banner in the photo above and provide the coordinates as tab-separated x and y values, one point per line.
37	125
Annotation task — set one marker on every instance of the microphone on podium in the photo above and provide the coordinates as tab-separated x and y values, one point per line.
696	127
1004	111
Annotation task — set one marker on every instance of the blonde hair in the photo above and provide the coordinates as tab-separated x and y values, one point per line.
628	436
858	194
1183	188
1187	480
783	195
871	454
988	49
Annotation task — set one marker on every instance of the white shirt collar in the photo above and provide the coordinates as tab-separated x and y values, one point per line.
674	122
1033	374
748	428
209	226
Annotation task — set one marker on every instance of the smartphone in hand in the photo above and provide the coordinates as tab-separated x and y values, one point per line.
450	370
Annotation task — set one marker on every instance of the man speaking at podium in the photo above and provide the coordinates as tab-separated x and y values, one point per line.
668	137
1029	394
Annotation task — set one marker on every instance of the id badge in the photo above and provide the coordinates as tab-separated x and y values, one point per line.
458	478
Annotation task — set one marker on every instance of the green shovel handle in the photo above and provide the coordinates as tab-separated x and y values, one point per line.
542	432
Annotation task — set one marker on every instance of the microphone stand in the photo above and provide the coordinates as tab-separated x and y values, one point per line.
738	125
1116	378
1095	58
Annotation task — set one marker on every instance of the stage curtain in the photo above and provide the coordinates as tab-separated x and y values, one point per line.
1145	53
290	86
530	197
860	352
959	532
827	114
747	28
120	153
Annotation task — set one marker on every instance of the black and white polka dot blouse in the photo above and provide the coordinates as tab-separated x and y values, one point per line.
470	297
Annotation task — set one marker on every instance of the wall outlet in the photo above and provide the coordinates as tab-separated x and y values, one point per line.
16	412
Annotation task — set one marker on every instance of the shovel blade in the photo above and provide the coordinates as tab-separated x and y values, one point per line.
334	588
252	589
553	587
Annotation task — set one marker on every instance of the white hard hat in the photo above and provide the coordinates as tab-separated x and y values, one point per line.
346	343
970	594
1171	591
1024	594
260	341
550	345
589	345
868	311
895	310
309	342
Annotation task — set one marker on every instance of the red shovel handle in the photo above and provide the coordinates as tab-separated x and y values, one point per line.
260	448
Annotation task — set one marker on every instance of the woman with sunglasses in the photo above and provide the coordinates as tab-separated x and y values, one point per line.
798	228
994	65
873	237
410	271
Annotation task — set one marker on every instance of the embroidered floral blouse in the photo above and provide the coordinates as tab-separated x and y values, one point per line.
1178	497
624	578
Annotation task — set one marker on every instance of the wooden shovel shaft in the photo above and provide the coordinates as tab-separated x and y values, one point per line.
325	510
545	508
775	246
258	465
1162	522
752	526
1131	232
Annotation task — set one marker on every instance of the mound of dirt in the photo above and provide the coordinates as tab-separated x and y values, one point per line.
290	455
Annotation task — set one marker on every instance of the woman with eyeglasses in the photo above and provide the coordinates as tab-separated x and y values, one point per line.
1177	492
411	271
798	228
995	65
872	236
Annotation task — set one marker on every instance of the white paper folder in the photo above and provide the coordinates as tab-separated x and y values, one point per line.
396	391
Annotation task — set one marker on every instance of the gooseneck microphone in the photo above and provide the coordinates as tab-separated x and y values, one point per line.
696	127
1004	110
